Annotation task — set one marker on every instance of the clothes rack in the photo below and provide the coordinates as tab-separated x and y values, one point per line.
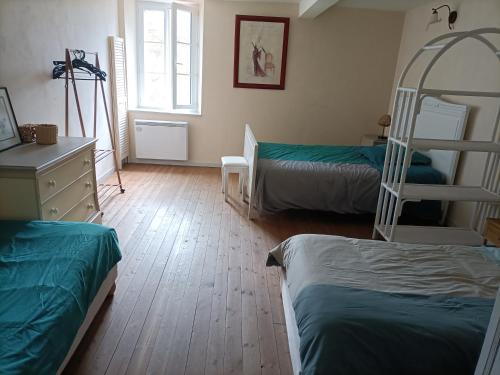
105	190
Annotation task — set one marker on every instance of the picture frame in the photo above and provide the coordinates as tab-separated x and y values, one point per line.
260	52
9	131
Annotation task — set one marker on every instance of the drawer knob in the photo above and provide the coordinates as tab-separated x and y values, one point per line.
54	211
88	184
90	206
86	162
52	183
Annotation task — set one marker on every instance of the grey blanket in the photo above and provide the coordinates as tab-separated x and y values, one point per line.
291	184
393	267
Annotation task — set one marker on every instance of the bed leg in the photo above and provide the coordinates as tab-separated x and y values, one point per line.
111	292
244	190
251	214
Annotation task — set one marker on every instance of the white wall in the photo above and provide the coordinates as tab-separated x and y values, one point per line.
32	34
469	66
339	72
340	69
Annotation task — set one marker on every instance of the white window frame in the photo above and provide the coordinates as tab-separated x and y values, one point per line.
170	33
195	47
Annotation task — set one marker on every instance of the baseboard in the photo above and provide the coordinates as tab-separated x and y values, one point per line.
176	162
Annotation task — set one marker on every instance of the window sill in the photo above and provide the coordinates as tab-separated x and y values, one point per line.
166	112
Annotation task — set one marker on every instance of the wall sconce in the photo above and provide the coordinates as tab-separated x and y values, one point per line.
452	16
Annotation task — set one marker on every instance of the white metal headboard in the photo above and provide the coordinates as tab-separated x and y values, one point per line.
439	119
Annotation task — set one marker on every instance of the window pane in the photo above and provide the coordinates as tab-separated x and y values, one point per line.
183	58
154	26
155	83
183	90
183	26
155	90
154	58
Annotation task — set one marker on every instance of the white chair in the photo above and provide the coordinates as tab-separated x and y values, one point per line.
234	164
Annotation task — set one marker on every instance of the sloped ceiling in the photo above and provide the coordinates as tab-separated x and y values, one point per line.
313	8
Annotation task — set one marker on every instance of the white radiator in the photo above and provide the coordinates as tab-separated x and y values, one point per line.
164	140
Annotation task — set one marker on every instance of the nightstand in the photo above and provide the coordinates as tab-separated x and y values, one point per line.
492	232
372	140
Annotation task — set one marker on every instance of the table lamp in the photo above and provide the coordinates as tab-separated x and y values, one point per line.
384	122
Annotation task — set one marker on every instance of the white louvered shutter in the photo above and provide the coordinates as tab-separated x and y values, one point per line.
119	91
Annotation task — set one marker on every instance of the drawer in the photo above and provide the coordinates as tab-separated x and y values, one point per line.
55	180
82	211
61	203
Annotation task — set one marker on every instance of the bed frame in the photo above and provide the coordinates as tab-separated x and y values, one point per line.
438	119
292	330
107	289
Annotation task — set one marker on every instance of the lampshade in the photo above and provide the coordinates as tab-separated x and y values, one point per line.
385	121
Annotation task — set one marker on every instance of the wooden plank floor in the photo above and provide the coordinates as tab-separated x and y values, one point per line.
193	294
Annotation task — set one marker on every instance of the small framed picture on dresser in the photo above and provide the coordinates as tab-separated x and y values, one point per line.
9	132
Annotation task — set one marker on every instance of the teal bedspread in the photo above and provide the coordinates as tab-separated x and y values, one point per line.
417	174
314	153
49	274
355	331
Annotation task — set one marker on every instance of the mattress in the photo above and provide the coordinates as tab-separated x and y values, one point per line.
329	178
50	273
372	307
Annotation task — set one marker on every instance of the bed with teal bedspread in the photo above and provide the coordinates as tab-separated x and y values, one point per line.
373	307
343	179
359	331
50	273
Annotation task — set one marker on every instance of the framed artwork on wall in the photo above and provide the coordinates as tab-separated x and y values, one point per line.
260	49
9	133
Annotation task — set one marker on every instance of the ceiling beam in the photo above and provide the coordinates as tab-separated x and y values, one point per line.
313	8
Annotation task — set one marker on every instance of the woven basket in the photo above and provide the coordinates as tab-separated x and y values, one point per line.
46	134
28	133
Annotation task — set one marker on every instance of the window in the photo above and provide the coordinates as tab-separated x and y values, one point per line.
167	52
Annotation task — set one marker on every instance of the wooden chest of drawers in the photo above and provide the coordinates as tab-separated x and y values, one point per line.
54	182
